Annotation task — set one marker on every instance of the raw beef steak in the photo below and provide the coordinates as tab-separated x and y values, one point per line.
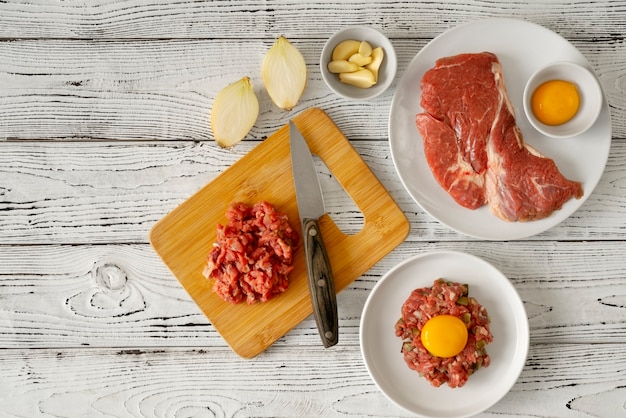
476	150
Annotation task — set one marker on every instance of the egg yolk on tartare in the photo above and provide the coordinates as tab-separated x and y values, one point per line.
444	335
555	102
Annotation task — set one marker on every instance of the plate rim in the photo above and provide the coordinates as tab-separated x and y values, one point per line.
519	351
538	226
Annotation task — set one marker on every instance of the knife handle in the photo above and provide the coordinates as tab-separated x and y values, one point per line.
321	283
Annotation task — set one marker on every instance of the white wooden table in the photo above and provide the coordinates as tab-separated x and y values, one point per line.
104	129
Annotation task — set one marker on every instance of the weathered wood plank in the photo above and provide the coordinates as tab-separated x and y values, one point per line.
558	380
123	296
225	19
164	89
108	192
91	321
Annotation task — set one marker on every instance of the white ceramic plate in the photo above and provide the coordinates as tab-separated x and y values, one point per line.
522	48
380	346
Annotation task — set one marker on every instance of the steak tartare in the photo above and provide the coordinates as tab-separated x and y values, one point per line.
253	254
444	298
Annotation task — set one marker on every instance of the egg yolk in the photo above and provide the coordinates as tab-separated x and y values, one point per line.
444	335
555	102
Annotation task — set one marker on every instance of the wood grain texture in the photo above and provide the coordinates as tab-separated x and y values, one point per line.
184	236
124	296
104	129
258	19
202	383
321	283
163	89
111	192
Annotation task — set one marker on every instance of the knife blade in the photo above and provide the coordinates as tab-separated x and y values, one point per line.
310	208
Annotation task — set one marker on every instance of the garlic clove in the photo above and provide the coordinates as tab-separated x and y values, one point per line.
345	49
365	49
234	112
284	73
342	66
377	58
362	78
359	59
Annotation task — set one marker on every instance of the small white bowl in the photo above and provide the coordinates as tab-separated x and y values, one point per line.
386	73
589	90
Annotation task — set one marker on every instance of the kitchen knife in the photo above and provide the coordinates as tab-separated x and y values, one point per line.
311	208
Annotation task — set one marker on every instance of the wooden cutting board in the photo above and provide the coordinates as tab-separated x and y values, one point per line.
184	237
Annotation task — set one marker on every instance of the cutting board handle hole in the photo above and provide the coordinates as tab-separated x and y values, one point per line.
338	203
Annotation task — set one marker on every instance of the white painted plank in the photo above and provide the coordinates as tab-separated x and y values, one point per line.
164	89
91	321
558	380
105	192
123	296
226	19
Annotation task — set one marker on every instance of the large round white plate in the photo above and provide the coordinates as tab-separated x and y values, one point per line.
522	48
381	347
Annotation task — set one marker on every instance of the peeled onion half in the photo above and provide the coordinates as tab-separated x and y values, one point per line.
234	112
284	73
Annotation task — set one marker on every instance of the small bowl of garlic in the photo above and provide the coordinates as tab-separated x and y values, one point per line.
358	63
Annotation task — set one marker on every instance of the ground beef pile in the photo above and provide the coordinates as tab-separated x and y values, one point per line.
253	254
444	298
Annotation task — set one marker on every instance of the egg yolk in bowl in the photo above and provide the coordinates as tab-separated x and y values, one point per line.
555	102
444	335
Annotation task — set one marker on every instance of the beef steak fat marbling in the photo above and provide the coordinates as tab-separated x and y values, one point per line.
474	147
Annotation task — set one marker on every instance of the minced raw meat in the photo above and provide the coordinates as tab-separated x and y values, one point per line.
444	298
253	255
